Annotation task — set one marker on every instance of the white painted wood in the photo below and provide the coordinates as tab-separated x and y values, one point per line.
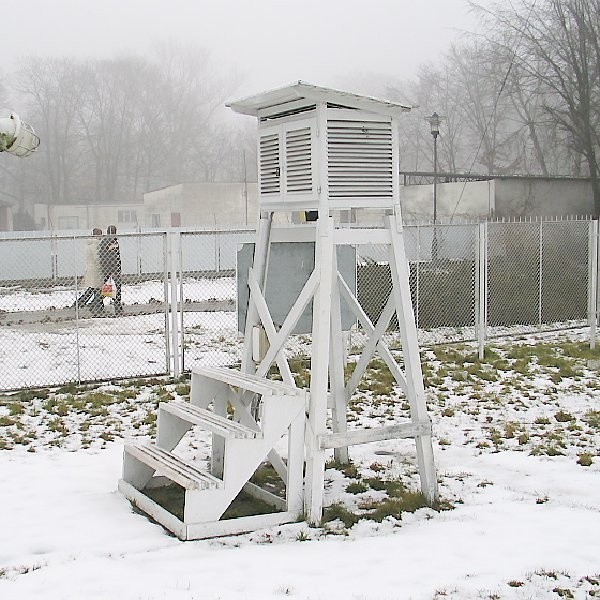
248	381
260	265
374	342
197	531
295	471
369	348
302	232
352	235
278	339
364	436
259	493
337	365
322	159
170	431
200	531
158	513
317	418
269	328
185	474
415	392
207	419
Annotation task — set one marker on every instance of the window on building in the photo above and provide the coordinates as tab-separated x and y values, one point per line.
68	222
175	219
127	216
155	220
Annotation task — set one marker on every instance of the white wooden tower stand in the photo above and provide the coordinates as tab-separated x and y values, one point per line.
319	150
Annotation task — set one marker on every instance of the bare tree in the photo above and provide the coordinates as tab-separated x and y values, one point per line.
52	87
558	45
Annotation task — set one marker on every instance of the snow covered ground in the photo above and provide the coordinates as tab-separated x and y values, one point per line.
516	446
67	348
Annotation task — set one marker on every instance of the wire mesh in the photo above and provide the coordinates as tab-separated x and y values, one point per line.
536	277
209	297
58	328
442	280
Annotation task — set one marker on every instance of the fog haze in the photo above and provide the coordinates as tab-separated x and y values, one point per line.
269	43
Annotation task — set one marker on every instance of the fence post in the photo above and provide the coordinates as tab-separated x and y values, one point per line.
481	289
173	244
593	281
540	274
418	276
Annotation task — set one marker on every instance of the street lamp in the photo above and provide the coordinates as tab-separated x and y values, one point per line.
434	122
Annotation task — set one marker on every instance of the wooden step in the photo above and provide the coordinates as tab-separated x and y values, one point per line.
247	381
186	475
208	420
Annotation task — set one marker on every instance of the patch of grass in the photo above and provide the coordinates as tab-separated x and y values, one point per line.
510	429
349	470
126	394
394	507
57	426
302	536
585	459
563	417
183	389
356	487
15	409
339	511
27	396
563	592
592	418
7	421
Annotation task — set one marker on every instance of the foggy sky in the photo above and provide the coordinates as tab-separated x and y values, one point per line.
270	43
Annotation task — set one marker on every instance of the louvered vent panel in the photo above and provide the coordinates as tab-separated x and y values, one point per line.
298	161
270	169
360	159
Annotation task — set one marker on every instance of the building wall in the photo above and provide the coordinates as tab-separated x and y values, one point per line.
460	200
202	205
86	217
543	197
499	197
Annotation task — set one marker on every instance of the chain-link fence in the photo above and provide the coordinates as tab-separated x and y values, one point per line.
208	292
173	301
57	327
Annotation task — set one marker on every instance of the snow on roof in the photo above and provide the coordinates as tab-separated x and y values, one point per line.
273	101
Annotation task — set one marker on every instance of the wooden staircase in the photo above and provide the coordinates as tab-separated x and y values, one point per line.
264	411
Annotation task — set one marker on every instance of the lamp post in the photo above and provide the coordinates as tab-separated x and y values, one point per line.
434	122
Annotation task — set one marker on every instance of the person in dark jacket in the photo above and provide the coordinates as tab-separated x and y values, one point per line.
110	262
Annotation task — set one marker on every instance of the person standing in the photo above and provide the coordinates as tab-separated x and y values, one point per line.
92	280
110	261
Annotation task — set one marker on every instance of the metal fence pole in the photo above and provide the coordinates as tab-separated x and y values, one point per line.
174	239
592	308
417	275
540	276
481	289
181	303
